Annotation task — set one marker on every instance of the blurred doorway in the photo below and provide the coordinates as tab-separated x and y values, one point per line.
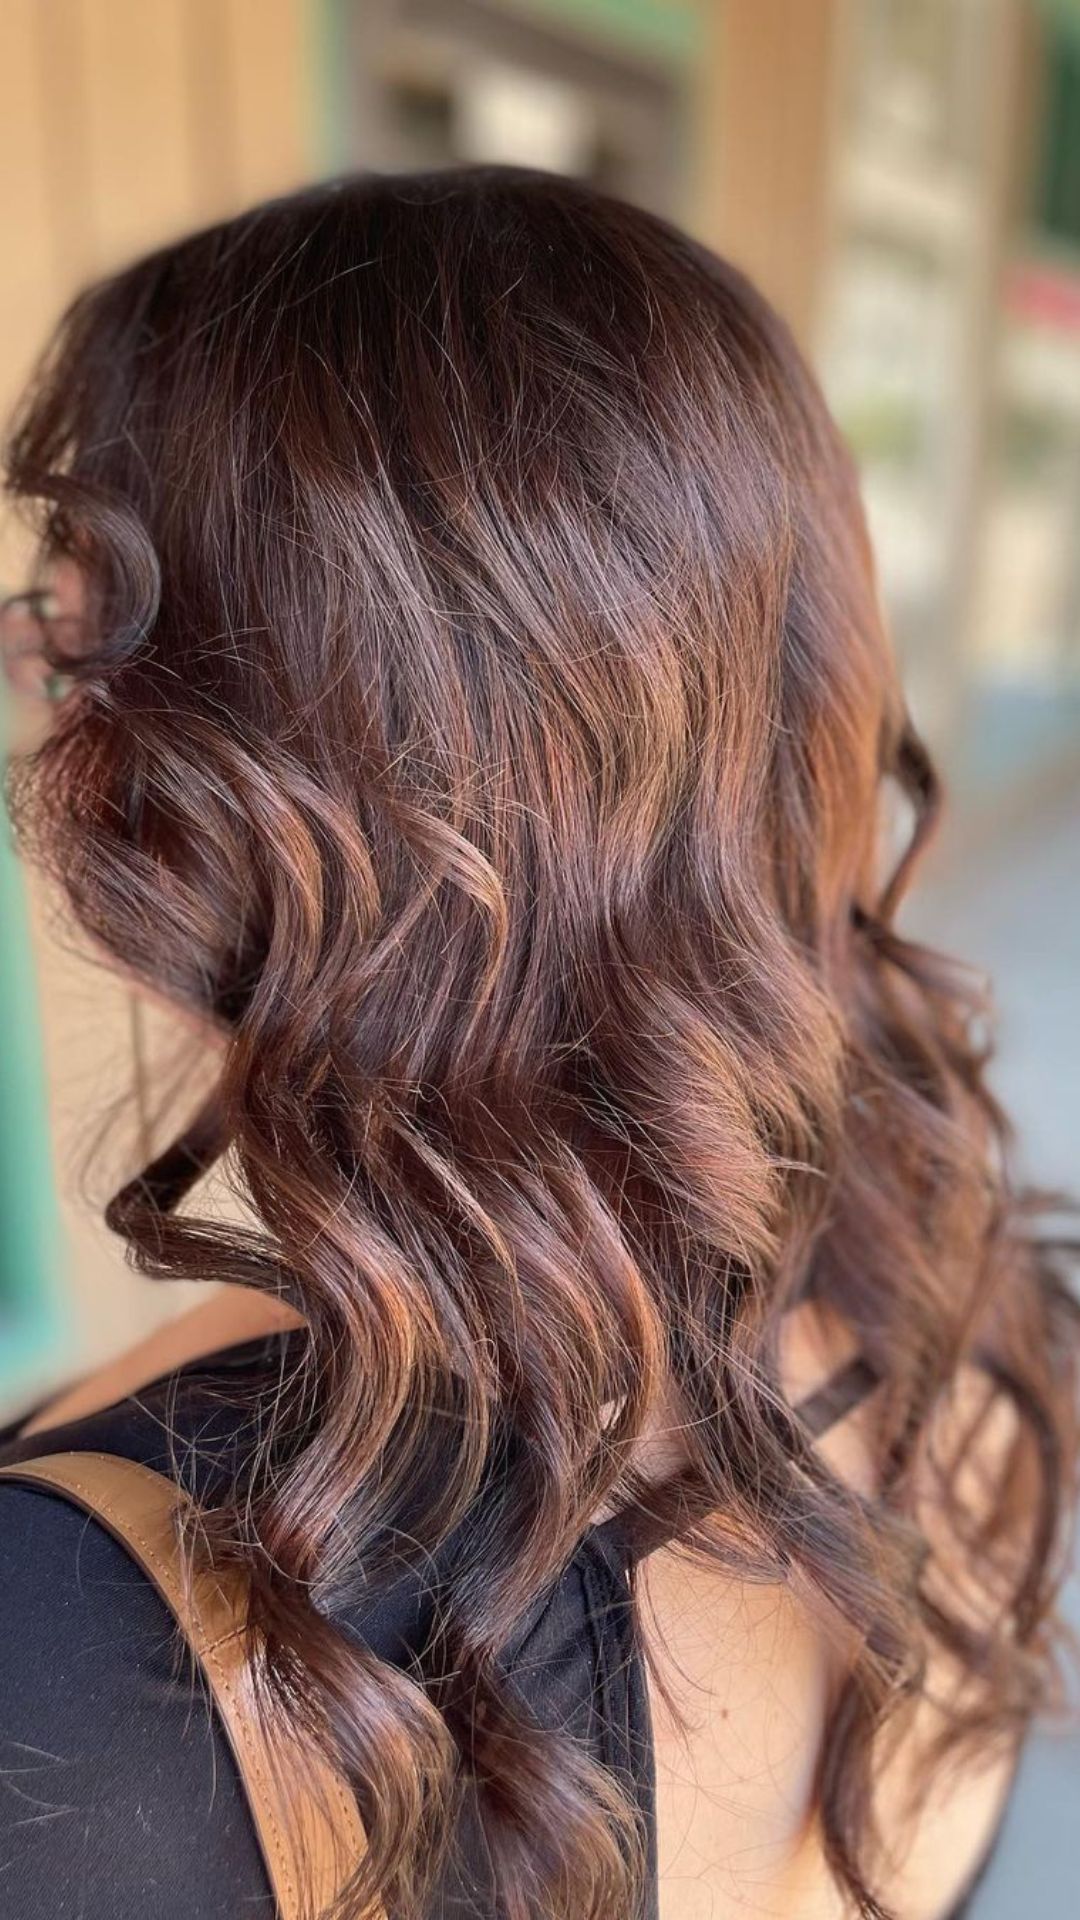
593	90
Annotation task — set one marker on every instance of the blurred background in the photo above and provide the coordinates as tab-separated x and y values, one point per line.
902	177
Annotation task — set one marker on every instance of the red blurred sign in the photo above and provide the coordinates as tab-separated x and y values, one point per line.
1045	293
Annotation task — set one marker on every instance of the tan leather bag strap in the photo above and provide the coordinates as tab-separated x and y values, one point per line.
306	1820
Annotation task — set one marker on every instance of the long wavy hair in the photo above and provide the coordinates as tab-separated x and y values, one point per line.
482	720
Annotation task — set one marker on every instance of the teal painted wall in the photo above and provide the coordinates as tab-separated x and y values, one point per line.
32	1319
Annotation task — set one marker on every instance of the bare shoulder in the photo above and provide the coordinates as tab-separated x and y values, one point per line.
230	1316
751	1671
748	1672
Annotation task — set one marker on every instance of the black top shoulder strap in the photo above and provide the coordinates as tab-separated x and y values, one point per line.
634	1533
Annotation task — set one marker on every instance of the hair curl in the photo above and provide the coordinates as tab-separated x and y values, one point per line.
484	723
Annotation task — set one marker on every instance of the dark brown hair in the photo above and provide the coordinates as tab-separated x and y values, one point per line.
484	723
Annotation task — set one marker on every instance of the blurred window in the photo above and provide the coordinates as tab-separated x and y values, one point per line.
952	358
1027	608
894	350
594	89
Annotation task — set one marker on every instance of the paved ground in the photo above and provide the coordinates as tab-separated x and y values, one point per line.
1016	909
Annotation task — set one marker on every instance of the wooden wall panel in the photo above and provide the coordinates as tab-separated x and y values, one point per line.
30	278
764	146
126	121
272	59
137	123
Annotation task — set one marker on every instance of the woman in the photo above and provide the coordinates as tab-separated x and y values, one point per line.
474	712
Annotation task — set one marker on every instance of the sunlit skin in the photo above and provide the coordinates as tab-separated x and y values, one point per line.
35	693
56	601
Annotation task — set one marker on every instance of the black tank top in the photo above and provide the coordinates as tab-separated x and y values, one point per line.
119	1797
